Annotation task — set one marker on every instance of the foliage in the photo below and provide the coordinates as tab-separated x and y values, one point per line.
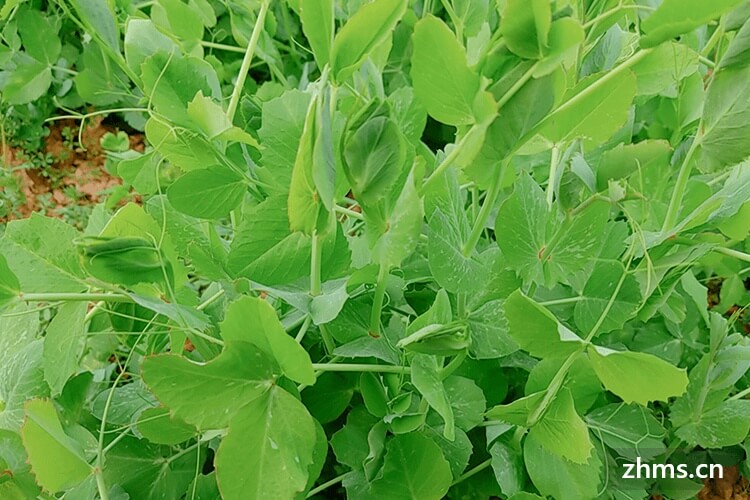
397	249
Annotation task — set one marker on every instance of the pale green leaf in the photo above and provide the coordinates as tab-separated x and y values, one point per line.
64	344
562	431
209	193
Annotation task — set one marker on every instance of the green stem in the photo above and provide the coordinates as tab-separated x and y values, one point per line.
327	339
516	86
101	485
351	367
559	302
447	161
553	388
315	262
484	213
681	185
554	166
733	253
741	394
473	472
453	365
348	212
377	301
303	329
213	298
74	297
221	46
336	480
245	67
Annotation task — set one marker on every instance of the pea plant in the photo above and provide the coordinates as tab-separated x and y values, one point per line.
385	250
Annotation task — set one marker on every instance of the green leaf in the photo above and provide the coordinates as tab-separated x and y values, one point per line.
565	36
737	54
64	344
664	68
507	465
367	29
414	467
726	425
181	147
99	18
57	459
593	110
560	478
727	108
158	426
626	159
253	320
425	375
489	333
209	395
536	330
637	377
143	40
580	379
268	449
210	193
178	18
675	17
451	268
40	252
630	430
597	295
21	373
467	401
9	285
402	228
525	26
39	36
318	25
443	82
562	431
329	398
27	83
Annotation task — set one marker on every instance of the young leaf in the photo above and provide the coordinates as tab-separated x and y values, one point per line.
402	228
525	26
675	17
253	320
562	431
362	34
318	25
636	376
443	82
425	375
57	459
268	449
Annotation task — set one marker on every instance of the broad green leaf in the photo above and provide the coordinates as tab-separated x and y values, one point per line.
254	320
209	395
637	377
425	375
178	18
402	228
143	40
64	344
318	25
525	26
149	471
212	120
456	452
264	251
565	36
141	172
172	82
536	330
580	380
27	83
329	398
451	268
593	110
125	260
181	147
624	160
268	449
488	328
737	54
507	465
159	427
414	467
630	430
21	375
368	28
99	19
375	158
283	121
559	478
726	425
443	82
675	17
210	193
727	108
598	293
664	68
467	401
9	285
39	36
562	431
40	252
57	459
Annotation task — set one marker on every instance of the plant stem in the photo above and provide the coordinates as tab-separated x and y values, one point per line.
484	213
327	485
733	253
221	46
516	86
451	367
377	302
554	166
473	472
74	297
245	67
559	302
352	367
327	339
447	161
348	212
315	257
213	298
303	329
681	185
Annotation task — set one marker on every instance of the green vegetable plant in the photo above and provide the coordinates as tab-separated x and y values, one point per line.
385	250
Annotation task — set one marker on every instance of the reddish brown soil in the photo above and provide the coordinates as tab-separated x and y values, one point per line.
77	165
731	487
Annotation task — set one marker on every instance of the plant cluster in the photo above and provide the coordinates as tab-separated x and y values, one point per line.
389	250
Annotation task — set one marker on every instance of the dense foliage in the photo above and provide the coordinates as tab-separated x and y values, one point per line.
389	250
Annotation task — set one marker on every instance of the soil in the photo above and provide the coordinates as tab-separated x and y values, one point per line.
47	189
731	487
